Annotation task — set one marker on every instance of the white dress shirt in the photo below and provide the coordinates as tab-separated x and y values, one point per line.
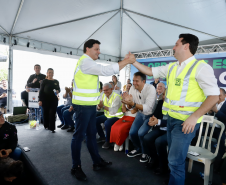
204	76
115	104
89	66
146	98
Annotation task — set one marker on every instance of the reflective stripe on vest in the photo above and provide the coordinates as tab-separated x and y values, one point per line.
182	108
86	90
108	103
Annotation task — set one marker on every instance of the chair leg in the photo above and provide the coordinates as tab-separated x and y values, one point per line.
211	174
190	164
206	172
127	145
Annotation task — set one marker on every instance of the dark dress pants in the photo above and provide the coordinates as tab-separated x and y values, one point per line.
49	113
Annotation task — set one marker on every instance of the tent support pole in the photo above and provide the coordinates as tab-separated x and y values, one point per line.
98	29
143	30
10	78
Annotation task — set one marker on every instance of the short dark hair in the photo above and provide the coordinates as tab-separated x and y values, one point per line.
223	91
37	65
192	40
101	85
89	43
142	75
14	170
50	69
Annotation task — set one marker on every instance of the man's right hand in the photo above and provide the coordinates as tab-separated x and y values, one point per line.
130	58
34	80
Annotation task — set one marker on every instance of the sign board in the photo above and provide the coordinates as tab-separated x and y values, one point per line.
33	100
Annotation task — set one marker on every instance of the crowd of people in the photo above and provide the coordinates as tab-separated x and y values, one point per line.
161	121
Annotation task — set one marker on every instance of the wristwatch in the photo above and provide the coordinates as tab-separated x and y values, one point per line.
134	105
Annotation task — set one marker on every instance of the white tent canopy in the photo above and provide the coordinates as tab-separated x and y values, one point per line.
120	25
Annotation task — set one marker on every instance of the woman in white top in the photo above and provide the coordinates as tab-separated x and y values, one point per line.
117	85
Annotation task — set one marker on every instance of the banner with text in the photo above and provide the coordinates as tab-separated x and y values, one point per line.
33	100
216	61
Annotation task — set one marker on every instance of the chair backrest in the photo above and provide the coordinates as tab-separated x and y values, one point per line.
211	135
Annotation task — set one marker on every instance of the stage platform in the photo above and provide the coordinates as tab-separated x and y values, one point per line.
49	160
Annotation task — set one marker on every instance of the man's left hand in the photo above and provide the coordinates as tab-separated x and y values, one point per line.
189	125
127	99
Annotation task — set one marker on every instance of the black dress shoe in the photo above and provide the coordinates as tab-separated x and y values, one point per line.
106	145
70	129
53	131
160	171
101	165
78	173
59	126
153	164
64	127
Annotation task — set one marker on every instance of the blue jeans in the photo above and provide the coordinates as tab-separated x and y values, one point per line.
85	125
108	122
67	116
16	154
138	130
60	110
178	144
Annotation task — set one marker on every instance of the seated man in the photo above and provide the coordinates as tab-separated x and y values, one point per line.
3	96
60	109
8	140
124	87
24	97
128	86
220	114
101	111
120	130
143	98
159	90
112	105
155	142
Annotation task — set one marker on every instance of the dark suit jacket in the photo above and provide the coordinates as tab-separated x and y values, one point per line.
221	114
158	114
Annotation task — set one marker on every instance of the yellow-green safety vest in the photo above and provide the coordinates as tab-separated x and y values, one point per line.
183	95
85	87
108	103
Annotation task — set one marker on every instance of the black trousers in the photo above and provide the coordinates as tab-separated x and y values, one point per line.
155	145
49	114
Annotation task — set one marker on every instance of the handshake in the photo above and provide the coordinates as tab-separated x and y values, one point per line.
130	58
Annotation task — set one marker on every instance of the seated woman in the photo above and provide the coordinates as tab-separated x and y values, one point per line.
120	130
155	142
10	170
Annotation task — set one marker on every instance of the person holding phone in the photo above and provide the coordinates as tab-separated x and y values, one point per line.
49	90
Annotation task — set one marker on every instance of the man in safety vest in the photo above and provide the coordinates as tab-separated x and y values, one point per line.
85	97
189	82
112	105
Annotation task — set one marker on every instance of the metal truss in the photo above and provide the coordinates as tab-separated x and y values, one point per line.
127	72
204	49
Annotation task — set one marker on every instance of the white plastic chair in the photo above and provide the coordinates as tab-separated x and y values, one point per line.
206	156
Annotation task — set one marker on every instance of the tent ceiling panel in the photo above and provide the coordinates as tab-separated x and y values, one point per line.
207	16
41	13
8	11
167	38
109	36
134	39
71	34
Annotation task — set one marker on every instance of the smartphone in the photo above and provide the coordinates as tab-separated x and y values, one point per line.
26	149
